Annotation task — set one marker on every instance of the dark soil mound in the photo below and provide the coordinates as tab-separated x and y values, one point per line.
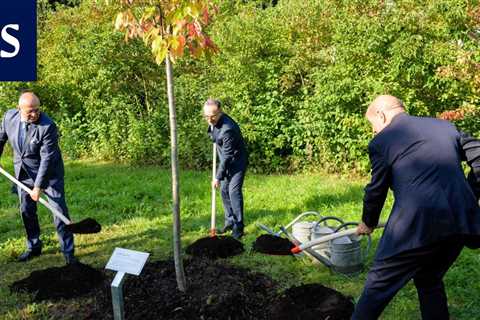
270	244
215	247
215	291
312	301
85	226
67	282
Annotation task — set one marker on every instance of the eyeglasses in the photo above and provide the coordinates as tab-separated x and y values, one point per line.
211	116
33	111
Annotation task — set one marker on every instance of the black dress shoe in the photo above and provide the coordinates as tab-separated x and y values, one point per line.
28	255
237	234
224	229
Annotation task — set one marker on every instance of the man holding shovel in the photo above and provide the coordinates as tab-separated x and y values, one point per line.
225	132
38	165
435	209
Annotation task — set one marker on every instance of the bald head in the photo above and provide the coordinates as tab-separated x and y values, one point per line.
29	104
382	110
385	103
28	99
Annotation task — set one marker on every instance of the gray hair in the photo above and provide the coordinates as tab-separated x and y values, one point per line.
213	102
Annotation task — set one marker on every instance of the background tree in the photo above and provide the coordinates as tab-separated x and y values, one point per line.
170	27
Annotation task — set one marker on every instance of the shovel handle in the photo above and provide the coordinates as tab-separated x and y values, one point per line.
214	200
329	237
41	200
310	251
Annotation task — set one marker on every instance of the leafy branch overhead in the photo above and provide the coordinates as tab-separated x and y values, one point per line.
168	26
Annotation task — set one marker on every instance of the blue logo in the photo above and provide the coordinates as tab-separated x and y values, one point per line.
18	40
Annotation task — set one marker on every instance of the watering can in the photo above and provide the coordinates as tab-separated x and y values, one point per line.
318	231
345	254
346	258
302	230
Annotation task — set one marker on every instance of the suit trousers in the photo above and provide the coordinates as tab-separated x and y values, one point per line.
426	266
232	198
28	210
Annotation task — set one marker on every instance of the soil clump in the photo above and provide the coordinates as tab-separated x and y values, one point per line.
69	281
215	247
312	302
270	244
215	291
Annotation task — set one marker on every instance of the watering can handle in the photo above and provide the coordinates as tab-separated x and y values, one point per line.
325	219
345	225
304	214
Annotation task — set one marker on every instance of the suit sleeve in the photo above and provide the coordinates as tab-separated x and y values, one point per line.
228	149
470	149
49	155
376	191
3	136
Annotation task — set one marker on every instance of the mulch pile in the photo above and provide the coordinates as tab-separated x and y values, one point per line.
312	301
215	247
69	281
274	245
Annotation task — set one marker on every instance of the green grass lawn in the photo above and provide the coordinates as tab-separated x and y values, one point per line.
133	206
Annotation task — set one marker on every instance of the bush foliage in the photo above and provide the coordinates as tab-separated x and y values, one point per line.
297	75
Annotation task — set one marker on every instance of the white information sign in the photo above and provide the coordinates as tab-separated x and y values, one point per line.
128	261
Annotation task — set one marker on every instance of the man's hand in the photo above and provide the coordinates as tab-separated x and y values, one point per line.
215	183
36	193
364	229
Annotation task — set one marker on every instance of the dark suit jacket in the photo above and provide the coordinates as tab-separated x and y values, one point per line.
230	147
41	158
420	160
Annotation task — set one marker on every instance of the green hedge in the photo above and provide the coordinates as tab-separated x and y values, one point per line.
297	76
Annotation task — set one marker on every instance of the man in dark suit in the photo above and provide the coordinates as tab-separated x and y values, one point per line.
38	164
434	209
225	132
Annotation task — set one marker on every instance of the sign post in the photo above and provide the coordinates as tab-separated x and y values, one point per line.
124	261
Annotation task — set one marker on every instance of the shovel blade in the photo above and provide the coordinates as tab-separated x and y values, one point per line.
85	226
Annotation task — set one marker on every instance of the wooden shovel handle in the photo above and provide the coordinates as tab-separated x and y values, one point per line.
214	200
332	236
41	200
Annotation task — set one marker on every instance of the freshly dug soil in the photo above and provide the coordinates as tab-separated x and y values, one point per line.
69	281
215	291
274	245
215	247
312	301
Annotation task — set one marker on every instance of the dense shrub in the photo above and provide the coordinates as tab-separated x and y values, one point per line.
297	76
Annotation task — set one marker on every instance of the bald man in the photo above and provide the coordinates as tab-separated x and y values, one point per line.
435	208
38	164
232	152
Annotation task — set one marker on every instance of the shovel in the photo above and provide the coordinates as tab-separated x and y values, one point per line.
307	245
308	250
213	231
85	226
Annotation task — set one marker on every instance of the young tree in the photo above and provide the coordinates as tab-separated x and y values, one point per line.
170	28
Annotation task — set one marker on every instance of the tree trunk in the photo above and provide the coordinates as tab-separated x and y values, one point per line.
177	244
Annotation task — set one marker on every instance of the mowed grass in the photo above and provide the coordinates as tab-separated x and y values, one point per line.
133	206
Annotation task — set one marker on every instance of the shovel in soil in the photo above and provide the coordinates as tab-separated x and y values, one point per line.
213	231
85	226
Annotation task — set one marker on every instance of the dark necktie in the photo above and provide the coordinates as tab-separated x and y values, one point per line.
23	134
